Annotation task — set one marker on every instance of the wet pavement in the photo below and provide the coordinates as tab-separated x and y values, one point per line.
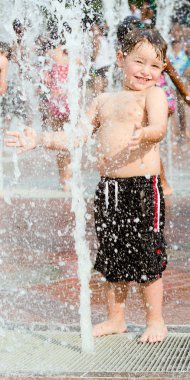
38	279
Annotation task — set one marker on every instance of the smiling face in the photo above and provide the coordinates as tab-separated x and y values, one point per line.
141	67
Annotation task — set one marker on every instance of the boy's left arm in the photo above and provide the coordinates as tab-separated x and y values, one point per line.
157	114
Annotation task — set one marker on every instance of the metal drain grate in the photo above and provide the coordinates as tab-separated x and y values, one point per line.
56	353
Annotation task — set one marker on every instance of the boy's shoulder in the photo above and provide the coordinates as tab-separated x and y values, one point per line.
156	100
155	92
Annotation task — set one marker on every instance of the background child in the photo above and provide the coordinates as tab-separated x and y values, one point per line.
129	205
100	58
58	108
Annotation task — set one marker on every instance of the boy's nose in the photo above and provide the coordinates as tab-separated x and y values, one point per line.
146	71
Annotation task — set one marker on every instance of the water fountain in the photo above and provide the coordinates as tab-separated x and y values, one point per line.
39	221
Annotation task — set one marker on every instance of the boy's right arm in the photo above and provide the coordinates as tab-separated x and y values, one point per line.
29	138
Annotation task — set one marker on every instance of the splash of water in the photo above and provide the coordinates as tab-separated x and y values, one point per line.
76	49
110	17
122	10
30	15
114	12
165	10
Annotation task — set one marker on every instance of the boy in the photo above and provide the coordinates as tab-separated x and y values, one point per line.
129	205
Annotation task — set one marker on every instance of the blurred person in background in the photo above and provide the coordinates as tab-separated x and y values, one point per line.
147	14
187	82
180	60
101	60
135	11
57	109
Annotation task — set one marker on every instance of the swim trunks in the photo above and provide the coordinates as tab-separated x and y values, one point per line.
129	221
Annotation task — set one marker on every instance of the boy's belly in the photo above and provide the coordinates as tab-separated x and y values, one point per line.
134	164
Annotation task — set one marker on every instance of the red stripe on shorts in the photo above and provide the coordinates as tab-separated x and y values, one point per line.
156	204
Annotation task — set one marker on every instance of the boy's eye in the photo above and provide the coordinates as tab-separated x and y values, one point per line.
138	61
158	67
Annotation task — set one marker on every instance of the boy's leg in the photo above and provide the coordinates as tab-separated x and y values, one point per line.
115	323
156	330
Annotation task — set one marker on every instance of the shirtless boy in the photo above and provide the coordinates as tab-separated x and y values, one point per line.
129	205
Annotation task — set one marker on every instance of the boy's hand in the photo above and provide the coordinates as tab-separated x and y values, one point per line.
136	138
26	140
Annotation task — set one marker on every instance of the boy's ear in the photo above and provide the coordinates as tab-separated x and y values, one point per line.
120	58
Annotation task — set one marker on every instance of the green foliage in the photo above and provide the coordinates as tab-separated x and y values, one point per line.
139	3
97	5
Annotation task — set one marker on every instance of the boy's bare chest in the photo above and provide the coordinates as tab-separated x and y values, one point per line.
123	110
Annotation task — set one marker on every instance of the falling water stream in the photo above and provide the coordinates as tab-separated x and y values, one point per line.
165	10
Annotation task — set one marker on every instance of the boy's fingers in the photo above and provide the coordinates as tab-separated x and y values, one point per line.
12	144
10	140
12	133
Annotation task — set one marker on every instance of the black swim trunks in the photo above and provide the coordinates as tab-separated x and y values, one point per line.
129	222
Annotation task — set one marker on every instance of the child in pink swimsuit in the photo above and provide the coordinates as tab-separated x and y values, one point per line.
58	105
56	79
169	94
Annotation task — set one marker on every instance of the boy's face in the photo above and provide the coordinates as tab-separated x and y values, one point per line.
142	67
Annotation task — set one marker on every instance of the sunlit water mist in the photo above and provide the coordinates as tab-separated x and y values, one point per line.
114	12
77	46
76	42
25	78
165	10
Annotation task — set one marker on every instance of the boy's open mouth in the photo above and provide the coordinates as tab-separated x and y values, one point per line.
142	79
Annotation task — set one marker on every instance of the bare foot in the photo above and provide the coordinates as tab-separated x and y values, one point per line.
109	327
155	332
167	190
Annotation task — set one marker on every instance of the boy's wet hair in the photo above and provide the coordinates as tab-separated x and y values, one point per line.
138	36
129	24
